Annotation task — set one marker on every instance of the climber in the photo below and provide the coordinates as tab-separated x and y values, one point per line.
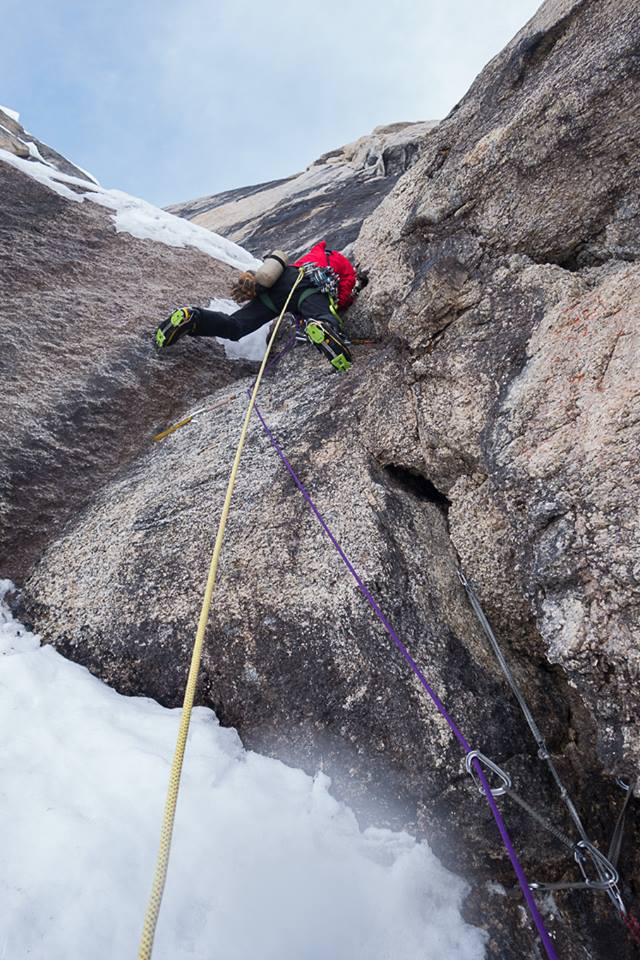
330	284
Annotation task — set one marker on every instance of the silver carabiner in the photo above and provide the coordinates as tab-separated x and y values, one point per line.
607	872
480	757
616	898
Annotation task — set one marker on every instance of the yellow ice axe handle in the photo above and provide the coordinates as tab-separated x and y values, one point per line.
172	428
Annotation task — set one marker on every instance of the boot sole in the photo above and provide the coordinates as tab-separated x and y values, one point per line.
167	333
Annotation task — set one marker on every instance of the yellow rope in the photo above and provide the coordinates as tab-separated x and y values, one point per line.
162	863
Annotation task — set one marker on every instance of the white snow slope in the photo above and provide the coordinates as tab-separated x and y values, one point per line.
265	863
134	216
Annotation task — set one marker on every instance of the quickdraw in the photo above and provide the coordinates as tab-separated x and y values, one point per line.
585	853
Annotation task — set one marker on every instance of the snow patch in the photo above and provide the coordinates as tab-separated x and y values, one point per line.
44	174
265	862
35	153
251	347
32	147
11	113
137	217
86	173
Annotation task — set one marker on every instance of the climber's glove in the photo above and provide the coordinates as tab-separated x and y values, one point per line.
244	288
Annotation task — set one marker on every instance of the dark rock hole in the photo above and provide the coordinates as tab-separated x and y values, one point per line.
418	485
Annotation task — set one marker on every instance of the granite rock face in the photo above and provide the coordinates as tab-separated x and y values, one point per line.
81	387
329	200
294	657
496	426
512	247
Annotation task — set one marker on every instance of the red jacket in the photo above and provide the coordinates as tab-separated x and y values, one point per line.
339	264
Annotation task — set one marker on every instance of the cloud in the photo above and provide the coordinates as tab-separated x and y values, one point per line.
187	97
270	88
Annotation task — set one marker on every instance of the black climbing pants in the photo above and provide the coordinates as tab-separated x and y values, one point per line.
233	326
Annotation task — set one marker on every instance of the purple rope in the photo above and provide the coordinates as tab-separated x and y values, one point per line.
513	856
272	362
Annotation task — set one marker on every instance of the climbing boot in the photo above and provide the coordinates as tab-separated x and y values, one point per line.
326	339
181	321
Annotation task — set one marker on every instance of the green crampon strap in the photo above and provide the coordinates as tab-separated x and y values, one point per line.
178	316
341	363
315	333
334	311
176	320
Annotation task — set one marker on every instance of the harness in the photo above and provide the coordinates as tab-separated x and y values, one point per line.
314	275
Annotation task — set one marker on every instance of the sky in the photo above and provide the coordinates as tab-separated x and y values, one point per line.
176	99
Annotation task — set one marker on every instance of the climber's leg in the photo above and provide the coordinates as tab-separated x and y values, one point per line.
199	322
321	327
232	326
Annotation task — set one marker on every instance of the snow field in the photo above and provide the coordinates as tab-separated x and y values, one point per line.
265	862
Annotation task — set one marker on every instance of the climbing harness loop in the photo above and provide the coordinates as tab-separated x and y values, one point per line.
155	900
490	765
334	310
325	279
